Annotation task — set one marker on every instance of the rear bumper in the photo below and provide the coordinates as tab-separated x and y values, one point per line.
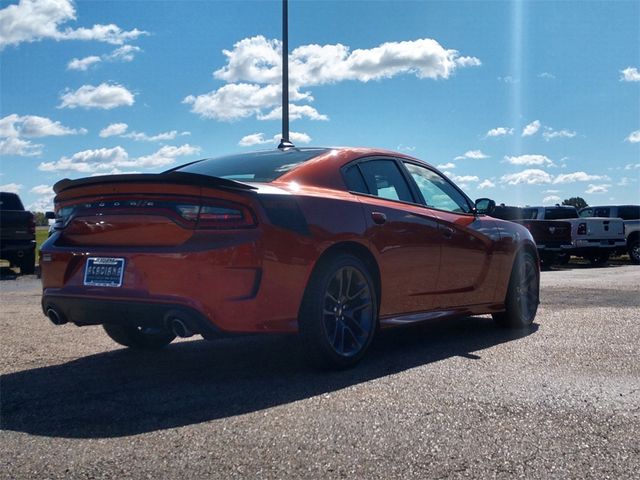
598	244
15	250
556	248
84	311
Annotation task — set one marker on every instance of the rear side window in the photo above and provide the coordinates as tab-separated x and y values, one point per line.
354	180
601	212
560	213
587	212
529	213
629	212
384	179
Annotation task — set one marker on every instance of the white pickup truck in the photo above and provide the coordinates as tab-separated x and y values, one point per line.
630	215
592	238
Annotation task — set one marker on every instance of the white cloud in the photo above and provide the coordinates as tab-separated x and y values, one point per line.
549	133
126	53
104	96
631	166
253	71
578	177
634	137
83	64
499	132
45	200
143	137
446	166
602	188
253	139
17	146
42	190
551	200
508	79
105	159
630	74
486	184
464	178
11	187
547	76
472	154
551	191
531	129
531	176
166	155
34	126
260	139
113	129
529	160
33	20
295	112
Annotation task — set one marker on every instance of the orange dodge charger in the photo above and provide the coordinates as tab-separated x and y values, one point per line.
331	243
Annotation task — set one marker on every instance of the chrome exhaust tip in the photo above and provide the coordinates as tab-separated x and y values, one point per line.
55	317
180	329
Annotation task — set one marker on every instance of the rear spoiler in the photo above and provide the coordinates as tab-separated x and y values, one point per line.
183	178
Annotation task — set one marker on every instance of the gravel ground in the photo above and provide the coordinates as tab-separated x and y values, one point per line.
455	399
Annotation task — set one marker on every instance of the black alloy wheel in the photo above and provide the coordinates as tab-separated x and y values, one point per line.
338	318
523	294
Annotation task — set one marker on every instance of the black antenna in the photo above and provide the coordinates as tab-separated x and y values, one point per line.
284	141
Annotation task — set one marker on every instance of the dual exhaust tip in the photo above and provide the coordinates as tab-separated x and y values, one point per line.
174	321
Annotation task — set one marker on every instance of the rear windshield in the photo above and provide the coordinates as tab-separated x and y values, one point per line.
10	201
263	166
560	213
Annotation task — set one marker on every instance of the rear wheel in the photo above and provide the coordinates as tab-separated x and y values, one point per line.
634	250
523	295
598	258
142	338
27	263
339	314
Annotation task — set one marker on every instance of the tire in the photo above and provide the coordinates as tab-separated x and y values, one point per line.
599	258
339	313
523	294
139	338
634	250
27	264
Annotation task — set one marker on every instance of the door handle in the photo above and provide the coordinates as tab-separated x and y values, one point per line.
378	217
447	232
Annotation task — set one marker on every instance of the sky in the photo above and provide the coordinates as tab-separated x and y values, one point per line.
527	103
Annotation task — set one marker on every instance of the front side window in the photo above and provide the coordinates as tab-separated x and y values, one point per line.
437	191
587	212
384	179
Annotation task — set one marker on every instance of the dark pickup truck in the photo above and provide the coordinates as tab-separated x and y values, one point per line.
17	233
552	237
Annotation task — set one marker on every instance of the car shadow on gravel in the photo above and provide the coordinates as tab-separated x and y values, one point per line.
123	392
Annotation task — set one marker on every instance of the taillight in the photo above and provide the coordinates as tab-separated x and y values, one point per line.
582	228
217	216
527	226
32	225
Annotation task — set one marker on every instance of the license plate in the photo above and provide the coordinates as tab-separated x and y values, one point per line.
104	272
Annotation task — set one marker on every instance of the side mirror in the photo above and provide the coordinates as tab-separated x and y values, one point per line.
50	215
485	206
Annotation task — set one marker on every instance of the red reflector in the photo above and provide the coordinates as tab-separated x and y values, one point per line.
224	217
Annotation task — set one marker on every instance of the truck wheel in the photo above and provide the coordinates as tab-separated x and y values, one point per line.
27	263
599	258
523	295
140	338
634	250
